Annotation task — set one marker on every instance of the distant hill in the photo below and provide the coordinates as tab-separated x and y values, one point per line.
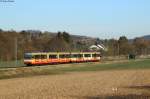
147	37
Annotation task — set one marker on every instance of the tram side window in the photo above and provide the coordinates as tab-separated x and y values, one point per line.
52	56
28	56
61	56
77	55
64	56
80	55
94	55
98	55
37	56
67	55
74	55
87	55
43	57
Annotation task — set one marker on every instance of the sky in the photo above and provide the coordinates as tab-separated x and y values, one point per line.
96	18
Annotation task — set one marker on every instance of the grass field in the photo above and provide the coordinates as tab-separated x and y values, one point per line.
76	67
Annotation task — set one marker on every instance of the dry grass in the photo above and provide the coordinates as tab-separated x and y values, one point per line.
77	85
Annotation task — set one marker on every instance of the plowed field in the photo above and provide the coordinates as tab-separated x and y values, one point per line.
110	84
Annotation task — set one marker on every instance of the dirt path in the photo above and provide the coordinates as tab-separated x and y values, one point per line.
86	85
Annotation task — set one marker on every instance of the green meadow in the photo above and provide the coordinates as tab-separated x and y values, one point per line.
6	73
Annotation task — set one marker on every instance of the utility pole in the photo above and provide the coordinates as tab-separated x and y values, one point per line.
118	50
16	50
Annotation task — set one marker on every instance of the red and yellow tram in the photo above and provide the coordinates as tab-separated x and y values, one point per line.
40	58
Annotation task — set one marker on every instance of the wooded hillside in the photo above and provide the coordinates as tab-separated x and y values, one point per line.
16	43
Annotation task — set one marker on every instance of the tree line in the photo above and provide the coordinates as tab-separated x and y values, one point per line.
15	44
123	46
